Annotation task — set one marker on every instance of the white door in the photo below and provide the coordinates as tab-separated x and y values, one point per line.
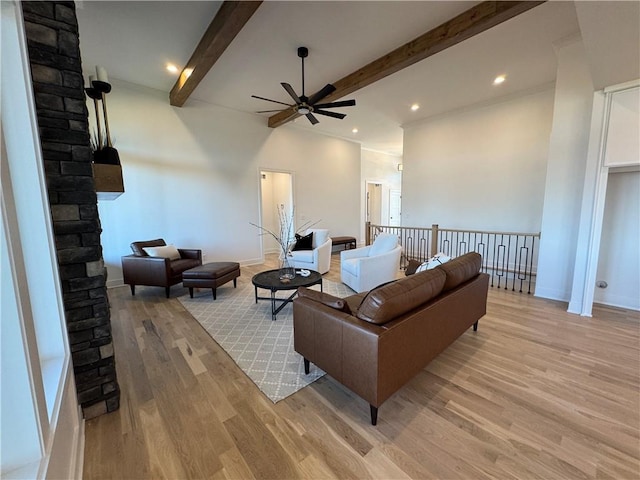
395	211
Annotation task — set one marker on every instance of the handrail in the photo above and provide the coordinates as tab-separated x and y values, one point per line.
509	257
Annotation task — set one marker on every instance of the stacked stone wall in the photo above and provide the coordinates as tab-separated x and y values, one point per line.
58	86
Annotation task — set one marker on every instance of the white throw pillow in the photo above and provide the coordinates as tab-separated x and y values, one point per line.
167	251
433	262
385	242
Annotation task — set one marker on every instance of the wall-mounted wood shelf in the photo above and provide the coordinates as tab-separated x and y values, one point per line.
108	180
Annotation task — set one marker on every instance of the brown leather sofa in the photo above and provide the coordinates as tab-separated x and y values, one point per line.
141	269
375	342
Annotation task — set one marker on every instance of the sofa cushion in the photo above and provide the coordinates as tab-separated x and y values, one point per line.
385	242
461	269
303	242
137	247
388	301
325	299
165	251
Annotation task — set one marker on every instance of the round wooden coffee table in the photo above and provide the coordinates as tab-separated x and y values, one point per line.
270	280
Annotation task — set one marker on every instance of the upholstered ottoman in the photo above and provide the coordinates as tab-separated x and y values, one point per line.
210	275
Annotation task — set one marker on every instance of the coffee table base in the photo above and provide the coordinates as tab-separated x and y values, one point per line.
277	304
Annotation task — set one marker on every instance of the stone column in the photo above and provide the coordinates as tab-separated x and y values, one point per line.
58	85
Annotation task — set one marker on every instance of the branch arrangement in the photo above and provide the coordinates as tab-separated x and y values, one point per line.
286	234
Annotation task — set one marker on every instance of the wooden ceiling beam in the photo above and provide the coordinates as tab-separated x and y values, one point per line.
224	27
476	20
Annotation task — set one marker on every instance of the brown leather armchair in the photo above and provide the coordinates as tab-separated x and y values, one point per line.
141	269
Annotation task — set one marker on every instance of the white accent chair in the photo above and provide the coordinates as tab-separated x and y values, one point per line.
318	259
367	267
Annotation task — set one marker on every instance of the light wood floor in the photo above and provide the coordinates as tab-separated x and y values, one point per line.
535	393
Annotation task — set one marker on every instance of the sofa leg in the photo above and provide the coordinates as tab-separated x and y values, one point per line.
133	289
374	415
214	293
235	282
306	366
167	290
191	292
475	327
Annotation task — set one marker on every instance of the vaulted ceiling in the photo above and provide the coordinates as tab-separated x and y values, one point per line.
135	41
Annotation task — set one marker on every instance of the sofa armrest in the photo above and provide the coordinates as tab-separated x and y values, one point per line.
342	345
153	271
194	254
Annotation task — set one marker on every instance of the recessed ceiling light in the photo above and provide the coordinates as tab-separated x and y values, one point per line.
415	107
172	68
355	130
499	79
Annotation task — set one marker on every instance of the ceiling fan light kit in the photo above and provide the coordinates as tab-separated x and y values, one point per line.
307	106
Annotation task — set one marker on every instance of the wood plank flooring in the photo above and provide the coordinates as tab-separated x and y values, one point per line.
535	393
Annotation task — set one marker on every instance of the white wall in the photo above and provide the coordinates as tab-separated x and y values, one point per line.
192	177
482	168
568	149
619	261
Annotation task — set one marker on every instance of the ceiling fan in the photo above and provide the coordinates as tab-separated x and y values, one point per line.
309	105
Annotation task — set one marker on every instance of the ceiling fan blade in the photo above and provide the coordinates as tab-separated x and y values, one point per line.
312	119
268	111
323	92
291	92
342	103
330	114
269	100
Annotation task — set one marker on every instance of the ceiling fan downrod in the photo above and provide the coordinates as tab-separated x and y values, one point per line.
303	52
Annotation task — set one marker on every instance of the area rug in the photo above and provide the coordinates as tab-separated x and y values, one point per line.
262	348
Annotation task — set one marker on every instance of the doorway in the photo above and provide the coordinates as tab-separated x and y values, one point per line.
373	203
276	198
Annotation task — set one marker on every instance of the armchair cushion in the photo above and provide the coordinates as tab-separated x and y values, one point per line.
320	236
178	266
303	255
385	242
166	251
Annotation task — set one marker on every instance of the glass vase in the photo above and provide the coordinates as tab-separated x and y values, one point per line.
287	271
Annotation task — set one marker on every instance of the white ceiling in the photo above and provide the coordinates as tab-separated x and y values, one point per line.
134	41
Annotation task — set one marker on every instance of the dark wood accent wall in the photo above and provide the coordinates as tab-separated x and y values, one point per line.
58	86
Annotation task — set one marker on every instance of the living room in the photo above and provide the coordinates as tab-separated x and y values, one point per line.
192	174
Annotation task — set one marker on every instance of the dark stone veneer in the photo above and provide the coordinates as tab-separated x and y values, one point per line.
56	70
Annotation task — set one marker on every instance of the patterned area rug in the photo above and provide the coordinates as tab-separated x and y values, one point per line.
262	348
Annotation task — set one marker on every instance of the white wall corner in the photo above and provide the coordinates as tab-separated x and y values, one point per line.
566	174
588	231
